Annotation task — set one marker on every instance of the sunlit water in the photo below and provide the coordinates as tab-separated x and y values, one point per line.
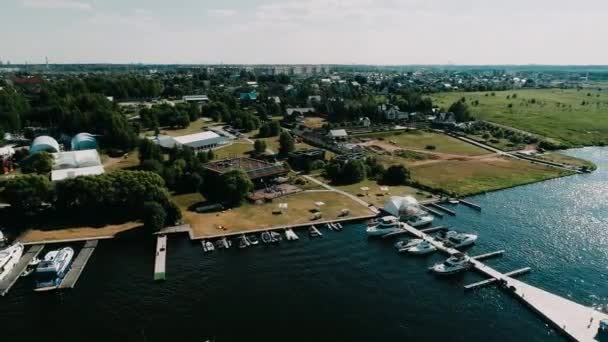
342	287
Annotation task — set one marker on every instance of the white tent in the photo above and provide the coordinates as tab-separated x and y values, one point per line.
76	159
402	206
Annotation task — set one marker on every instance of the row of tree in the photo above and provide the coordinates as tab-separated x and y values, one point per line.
354	171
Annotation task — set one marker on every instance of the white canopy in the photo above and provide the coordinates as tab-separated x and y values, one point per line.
402	206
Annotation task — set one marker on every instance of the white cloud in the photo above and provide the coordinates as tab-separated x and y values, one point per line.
57	4
222	13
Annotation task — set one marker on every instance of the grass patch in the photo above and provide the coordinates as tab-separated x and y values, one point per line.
83	232
378	197
251	217
236	149
419	140
573	117
480	175
560	158
121	163
195	127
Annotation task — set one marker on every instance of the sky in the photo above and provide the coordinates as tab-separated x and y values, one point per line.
393	32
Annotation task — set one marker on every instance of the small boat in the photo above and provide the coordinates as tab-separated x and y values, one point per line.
338	225
253	240
266	238
420	220
243	243
454	264
227	243
31	267
330	226
275	237
219	244
314	232
403	245
51	270
208	246
9	258
456	240
453	201
290	235
423	247
386	224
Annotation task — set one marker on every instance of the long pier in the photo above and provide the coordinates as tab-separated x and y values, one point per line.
78	266
470	204
11	278
575	321
444	209
431	210
493	280
161	253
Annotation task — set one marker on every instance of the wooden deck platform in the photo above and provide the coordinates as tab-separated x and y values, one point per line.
11	278
78	265
161	253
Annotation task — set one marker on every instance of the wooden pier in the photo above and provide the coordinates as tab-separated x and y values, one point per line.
470	205
431	210
444	209
575	321
78	266
11	278
493	280
161	253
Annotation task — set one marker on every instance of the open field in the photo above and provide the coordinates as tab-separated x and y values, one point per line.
570	116
418	140
480	175
195	127
251	217
36	235
236	149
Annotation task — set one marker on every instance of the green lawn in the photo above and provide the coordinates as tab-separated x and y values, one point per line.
236	149
479	175
419	140
553	113
557	157
378	197
194	127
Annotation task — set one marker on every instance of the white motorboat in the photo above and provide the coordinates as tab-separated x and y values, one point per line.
53	268
208	246
386	224
314	232
423	247
9	258
456	240
404	245
253	240
454	264
420	220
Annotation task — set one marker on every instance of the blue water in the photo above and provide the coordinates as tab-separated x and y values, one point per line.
343	287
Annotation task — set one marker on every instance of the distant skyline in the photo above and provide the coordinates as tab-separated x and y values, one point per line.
386	32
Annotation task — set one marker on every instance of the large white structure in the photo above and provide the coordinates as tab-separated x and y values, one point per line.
76	163
402	206
198	141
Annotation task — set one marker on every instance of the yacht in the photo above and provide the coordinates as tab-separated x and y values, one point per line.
385	225
456	240
454	264
53	268
420	220
9	258
31	267
404	245
423	247
208	246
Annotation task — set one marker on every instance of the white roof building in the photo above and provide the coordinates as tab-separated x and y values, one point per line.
76	163
7	151
195	98
338	133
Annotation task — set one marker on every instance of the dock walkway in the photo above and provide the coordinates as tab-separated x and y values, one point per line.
11	278
78	266
576	321
161	253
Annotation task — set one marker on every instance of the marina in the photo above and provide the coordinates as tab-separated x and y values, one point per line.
160	259
78	265
15	274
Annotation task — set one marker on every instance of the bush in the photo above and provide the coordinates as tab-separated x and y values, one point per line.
430	147
40	163
396	175
154	216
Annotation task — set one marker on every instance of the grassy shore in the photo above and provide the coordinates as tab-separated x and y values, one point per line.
561	158
570	116
72	233
250	217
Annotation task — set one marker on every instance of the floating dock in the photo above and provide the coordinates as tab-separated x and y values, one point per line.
489	255
431	210
576	321
161	254
470	205
493	280
11	278
444	209
78	265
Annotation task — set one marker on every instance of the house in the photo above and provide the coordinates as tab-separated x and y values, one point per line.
261	173
301	110
83	141
338	134
445	118
275	99
252	84
201	141
32	84
365	121
198	99
44	143
392	112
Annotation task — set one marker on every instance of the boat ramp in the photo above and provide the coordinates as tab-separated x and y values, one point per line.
78	265
11	278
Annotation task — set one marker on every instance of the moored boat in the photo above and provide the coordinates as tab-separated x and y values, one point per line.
266	238
420	220
423	247
253	240
275	237
386	224
456	240
9	258
31	267
403	245
51	270
454	264
208	246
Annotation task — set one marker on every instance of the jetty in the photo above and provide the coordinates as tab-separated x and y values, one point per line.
573	320
11	278
431	210
444	209
470	205
78	266
493	280
433	229
489	255
161	253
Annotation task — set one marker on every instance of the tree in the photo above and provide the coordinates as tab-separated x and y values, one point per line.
154	216
259	147
354	171
149	151
461	111
230	188
396	175
41	163
286	144
152	165
28	192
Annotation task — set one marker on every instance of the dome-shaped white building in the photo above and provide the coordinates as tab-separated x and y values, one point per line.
44	143
399	206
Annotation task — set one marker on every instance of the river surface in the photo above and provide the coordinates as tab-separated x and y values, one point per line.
342	287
